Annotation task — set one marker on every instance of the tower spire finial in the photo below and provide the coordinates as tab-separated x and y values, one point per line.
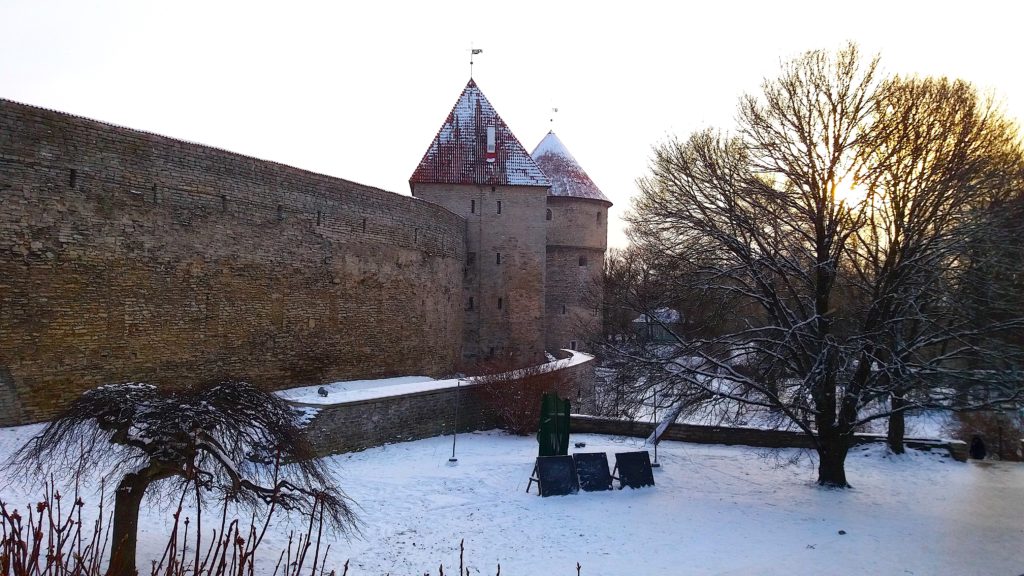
551	127
473	52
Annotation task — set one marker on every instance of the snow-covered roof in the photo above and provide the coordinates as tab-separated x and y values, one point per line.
659	316
567	176
459	153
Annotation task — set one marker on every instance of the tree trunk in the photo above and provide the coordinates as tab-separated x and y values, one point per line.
124	533
832	451
897	424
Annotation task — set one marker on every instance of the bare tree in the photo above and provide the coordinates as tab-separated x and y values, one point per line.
231	440
942	157
631	287
619	279
756	224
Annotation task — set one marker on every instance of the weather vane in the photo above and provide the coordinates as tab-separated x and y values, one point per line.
473	52
553	112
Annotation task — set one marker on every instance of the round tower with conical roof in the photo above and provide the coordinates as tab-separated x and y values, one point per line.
577	237
476	168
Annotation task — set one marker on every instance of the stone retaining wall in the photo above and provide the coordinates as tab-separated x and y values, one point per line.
584	424
353	426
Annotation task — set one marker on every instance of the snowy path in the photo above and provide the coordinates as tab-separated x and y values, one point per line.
715	510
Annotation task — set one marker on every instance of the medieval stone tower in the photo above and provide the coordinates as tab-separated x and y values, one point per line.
127	256
577	236
536	234
476	168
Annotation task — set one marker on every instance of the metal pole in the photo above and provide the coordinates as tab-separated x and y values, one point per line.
654	400
455	427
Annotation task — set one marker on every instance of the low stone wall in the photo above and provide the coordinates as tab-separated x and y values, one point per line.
584	424
358	425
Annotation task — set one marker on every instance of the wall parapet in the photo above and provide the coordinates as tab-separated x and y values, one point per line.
350	426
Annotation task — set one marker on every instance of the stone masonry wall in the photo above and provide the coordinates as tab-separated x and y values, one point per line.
583	424
353	426
506	319
577	236
573	296
127	256
577	222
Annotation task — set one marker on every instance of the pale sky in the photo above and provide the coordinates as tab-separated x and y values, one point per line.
358	89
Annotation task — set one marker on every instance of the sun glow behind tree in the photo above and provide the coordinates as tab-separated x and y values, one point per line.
852	193
830	237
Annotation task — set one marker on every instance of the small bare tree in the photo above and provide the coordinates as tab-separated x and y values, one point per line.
231	440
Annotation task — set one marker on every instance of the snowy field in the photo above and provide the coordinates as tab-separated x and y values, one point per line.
715	510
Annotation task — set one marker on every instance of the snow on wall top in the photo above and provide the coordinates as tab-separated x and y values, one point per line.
460	153
567	176
360	390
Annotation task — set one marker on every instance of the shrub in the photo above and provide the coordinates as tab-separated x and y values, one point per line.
53	539
514	395
227	440
1001	431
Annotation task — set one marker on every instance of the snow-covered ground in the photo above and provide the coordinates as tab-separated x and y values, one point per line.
715	510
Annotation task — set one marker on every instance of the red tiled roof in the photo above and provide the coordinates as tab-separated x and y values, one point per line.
567	176
458	154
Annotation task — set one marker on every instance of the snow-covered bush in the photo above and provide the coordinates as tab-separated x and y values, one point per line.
227	441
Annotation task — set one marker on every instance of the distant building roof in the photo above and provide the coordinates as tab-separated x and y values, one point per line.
567	176
660	316
475	146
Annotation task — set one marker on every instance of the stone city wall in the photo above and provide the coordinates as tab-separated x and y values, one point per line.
128	256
